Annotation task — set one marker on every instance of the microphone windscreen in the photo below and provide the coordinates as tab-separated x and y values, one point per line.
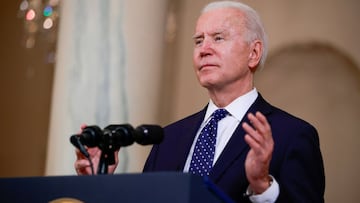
74	140
90	136
120	135
149	134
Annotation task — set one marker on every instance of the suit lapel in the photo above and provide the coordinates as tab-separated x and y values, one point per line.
190	129
236	147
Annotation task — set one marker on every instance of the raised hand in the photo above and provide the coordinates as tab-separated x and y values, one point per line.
259	138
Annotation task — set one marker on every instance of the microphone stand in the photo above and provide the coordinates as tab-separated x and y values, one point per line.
107	154
103	164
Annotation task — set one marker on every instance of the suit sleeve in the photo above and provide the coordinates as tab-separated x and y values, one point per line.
301	176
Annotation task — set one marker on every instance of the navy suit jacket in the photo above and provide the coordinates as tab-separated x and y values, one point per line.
296	162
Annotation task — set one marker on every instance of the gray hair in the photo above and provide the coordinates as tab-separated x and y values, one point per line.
255	28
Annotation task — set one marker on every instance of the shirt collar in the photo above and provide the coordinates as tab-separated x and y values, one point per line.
236	108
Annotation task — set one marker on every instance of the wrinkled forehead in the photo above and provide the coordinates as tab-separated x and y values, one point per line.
220	18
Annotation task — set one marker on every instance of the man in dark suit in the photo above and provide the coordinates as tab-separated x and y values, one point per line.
296	160
259	153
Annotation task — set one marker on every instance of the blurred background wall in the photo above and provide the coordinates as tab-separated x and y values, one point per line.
312	71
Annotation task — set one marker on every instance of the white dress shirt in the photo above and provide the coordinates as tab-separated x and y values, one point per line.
226	127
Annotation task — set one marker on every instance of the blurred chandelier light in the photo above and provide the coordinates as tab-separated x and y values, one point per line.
40	22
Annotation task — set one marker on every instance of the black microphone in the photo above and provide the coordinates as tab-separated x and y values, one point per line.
90	136
116	136
148	134
124	135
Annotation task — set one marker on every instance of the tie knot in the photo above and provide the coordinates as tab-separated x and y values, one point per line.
220	114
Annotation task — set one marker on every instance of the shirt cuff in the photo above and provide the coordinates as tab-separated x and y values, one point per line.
270	195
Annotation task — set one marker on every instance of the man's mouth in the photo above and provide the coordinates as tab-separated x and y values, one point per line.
208	65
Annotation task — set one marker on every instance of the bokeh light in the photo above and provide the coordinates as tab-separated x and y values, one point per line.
48	10
30	42
24	5
48	23
40	22
30	14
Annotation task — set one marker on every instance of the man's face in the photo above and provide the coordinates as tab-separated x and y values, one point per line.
221	54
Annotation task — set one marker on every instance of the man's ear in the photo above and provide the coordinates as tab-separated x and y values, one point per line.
255	54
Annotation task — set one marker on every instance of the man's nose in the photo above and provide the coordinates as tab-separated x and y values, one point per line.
207	43
206	48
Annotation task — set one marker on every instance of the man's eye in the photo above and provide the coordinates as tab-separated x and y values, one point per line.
198	41
218	38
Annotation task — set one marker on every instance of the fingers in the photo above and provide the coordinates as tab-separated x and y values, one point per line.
258	135
259	122
259	127
82	126
259	138
82	167
82	164
79	155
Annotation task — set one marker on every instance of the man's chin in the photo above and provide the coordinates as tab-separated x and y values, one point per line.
207	84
